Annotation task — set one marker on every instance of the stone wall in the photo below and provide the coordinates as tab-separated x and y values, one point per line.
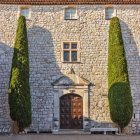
131	34
47	29
8	19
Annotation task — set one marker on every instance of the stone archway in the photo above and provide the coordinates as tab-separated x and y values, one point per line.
71	111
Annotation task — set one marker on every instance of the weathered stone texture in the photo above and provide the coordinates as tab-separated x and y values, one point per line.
47	29
8	19
131	34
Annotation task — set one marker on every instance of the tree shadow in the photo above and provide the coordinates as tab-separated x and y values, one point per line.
45	69
6	53
131	39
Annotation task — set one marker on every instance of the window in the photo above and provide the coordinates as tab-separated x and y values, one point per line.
70	52
25	12
109	13
70	13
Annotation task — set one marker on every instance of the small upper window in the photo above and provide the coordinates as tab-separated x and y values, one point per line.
70	13
25	12
109	13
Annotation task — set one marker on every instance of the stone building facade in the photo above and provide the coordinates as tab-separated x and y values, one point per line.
51	78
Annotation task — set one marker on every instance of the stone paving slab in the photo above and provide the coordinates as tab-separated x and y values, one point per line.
67	137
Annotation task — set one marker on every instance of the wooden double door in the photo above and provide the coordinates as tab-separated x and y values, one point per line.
71	112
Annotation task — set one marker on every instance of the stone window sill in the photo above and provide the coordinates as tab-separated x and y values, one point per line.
71	62
28	19
108	19
71	19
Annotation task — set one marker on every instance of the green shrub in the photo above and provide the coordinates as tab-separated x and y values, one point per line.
120	99
19	89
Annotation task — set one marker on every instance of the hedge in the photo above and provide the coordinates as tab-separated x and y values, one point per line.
120	99
19	88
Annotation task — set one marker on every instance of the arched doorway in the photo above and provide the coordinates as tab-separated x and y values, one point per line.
71	112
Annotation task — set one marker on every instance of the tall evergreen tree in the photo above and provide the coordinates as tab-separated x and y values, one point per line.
19	88
120	99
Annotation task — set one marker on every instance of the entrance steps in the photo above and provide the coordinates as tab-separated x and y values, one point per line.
71	132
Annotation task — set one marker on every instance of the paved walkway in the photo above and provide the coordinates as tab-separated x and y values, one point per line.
67	137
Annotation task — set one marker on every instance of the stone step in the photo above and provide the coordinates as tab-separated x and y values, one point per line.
36	131
70	132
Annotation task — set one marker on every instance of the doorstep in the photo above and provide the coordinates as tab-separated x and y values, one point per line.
70	132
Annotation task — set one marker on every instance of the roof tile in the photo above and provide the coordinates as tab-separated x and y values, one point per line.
66	2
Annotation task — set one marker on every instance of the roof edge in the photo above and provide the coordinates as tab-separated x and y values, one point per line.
14	2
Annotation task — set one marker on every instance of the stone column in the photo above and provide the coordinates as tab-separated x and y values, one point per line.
86	123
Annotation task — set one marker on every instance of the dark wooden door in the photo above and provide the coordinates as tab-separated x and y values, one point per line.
71	112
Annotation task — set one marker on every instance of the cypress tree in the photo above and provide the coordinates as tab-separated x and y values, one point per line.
120	99
19	89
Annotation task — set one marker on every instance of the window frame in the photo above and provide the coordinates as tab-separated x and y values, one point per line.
70	51
25	7
113	14
76	14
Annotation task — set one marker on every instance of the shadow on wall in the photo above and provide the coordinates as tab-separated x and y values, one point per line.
133	60
6	53
45	68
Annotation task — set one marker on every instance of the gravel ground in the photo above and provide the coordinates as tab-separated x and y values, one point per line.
67	137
